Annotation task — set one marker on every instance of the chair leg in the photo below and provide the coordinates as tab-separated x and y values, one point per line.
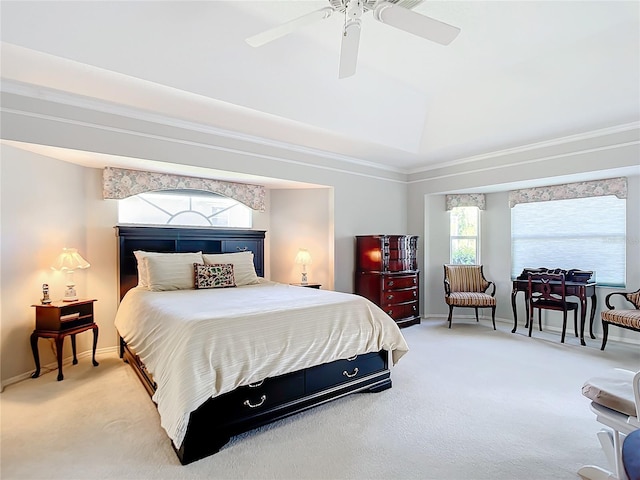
476	309
575	322
530	316
564	325
605	333
450	314
540	319
493	316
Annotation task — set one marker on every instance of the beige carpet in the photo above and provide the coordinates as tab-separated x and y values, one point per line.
467	403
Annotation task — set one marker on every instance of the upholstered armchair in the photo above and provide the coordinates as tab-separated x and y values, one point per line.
465	286
629	318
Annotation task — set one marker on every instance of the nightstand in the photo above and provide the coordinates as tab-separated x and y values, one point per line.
57	320
308	285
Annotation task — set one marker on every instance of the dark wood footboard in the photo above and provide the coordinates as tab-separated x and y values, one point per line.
213	424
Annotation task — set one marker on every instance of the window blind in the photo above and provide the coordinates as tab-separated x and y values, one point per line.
584	233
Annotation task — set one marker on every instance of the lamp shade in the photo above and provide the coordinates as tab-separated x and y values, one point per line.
303	257
70	259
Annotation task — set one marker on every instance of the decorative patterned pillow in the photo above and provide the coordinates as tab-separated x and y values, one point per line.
219	275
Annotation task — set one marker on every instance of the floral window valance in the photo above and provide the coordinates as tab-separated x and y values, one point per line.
595	188
466	200
120	183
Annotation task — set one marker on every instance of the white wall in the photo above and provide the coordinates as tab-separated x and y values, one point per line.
302	218
48	205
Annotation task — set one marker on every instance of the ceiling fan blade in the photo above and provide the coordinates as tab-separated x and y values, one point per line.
288	27
412	22
349	50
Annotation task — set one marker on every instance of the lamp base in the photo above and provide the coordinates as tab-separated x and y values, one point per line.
303	280
70	294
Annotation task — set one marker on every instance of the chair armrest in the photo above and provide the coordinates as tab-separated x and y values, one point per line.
493	291
447	287
622	294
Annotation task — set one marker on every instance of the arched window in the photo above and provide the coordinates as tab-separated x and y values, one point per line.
185	208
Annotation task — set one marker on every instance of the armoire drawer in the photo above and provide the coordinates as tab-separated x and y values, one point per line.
403	310
392	297
342	371
395	282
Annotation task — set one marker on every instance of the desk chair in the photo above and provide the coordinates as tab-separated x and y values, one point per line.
547	291
615	399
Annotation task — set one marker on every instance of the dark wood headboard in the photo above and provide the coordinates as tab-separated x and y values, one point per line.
179	239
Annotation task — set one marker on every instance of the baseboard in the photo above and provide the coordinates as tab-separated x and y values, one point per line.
551	328
53	366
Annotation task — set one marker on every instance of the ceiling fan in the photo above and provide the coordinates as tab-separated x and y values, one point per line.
396	13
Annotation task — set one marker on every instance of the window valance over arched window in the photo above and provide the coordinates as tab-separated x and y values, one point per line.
121	183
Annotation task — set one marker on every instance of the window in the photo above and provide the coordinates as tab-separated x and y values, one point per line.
184	207
584	233
464	235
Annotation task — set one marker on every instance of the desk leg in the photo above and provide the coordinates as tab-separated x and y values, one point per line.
36	355
593	314
95	343
59	343
514	292
583	316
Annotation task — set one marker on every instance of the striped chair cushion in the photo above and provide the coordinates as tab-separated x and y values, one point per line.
628	318
466	278
470	299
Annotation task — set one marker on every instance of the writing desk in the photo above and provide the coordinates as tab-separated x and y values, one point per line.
582	290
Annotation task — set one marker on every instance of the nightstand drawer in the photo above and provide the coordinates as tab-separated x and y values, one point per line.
60	316
343	371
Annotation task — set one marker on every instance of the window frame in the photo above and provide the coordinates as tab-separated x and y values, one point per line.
476	237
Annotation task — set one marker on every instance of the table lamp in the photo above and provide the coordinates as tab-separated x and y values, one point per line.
68	261
303	258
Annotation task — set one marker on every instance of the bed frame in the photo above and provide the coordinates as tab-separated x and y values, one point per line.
218	419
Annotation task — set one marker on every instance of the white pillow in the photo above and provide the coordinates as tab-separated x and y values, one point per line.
243	269
175	264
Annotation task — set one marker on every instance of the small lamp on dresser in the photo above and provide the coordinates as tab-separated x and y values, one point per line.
68	261
303	258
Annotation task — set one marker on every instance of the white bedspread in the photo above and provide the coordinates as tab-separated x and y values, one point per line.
201	343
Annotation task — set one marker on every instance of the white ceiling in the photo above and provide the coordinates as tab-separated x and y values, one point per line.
520	72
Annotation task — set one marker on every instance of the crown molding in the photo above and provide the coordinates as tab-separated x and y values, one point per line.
78	101
534	146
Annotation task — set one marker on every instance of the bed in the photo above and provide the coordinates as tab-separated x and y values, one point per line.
228	353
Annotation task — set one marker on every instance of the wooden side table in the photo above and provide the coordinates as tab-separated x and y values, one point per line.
57	320
308	285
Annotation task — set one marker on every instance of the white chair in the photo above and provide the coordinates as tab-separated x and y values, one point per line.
615	400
